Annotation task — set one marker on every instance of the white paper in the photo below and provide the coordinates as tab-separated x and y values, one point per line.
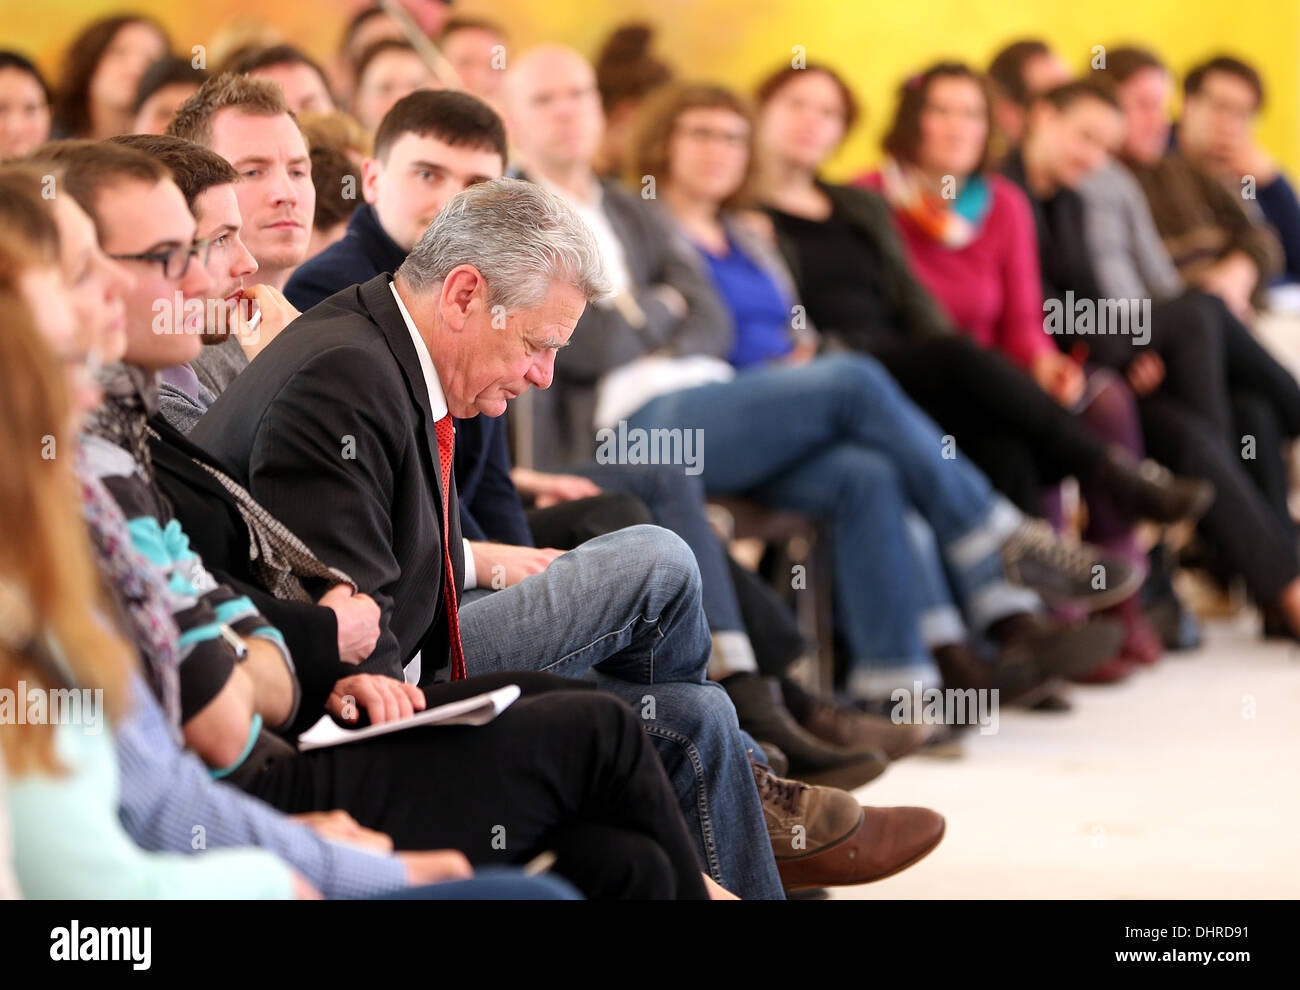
478	710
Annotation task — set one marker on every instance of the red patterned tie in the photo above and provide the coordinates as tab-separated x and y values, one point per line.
446	446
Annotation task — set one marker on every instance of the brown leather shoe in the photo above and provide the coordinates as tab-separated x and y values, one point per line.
821	837
853	729
843	725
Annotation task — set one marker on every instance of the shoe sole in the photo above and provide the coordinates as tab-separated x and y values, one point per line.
1097	600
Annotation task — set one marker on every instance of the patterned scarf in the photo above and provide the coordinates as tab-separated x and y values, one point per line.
955	222
278	558
138	589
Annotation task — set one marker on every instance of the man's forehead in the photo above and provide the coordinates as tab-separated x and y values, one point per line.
229	121
217	206
159	219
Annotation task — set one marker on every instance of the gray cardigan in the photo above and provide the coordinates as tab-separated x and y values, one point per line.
1127	253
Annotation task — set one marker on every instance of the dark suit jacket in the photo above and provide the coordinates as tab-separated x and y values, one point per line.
363	252
603	340
490	506
331	430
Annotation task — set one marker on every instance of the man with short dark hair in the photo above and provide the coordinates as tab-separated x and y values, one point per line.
430	146
1222	98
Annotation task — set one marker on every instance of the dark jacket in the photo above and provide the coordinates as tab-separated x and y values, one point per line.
331	430
490	507
363	252
217	532
912	307
604	340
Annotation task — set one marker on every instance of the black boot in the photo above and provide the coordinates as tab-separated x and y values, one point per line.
1148	491
764	716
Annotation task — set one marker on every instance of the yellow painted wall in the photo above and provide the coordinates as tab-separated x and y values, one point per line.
737	41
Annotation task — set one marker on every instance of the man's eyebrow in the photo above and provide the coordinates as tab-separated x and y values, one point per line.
246	160
221	231
434	166
157	247
551	341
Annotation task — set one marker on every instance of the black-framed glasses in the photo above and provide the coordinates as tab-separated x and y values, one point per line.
175	262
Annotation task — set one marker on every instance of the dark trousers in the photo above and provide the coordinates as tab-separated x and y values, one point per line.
1010	428
564	769
1246	532
565	526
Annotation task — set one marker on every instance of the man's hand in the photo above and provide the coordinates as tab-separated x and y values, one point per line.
384	699
551	489
339	826
1059	377
277	313
1145	373
499	565
1233	279
435	866
358	621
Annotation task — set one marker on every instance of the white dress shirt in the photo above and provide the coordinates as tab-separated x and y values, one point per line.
438	403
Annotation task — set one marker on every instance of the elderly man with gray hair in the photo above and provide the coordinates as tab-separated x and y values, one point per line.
343	430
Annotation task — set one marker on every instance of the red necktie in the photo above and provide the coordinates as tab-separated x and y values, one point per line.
446	445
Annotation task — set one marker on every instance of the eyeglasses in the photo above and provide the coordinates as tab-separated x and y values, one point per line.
176	262
732	139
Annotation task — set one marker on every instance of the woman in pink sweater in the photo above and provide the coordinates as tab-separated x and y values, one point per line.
970	239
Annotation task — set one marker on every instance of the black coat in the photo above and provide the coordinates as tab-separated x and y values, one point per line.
210	517
331	430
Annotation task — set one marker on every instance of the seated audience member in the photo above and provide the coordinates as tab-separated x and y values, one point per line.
101	74
1190	365
338	130
385	348
387	71
476	49
1018	74
208	183
163	791
853	469
164	87
640	849
697	141
971	241
337	182
1221	101
247	122
1213	242
300	79
62	789
367	26
851	270
24	105
430	146
626	73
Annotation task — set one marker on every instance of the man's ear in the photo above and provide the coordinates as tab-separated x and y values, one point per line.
462	296
370	169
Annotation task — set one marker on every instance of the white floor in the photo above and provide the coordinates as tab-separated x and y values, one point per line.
1182	782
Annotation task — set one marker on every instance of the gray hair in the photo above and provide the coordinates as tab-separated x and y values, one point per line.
520	238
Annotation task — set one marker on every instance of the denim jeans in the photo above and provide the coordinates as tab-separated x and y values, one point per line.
837	438
624	610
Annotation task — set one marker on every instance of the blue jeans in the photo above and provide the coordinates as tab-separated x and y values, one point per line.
624	610
838	439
